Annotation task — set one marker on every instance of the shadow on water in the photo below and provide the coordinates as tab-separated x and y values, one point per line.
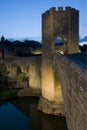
27	116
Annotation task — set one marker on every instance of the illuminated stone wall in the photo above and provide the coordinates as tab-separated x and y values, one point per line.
73	79
56	23
35	72
30	67
62	23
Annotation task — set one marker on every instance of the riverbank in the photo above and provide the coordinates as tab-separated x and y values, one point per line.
9	91
8	94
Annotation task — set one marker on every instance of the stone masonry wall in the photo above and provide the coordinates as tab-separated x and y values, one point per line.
60	23
35	73
73	79
30	67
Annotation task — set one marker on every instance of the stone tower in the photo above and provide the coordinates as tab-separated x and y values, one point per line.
60	23
56	23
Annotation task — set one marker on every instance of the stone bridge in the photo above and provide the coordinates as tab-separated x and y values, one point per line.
69	94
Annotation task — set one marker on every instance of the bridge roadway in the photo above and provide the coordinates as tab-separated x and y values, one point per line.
79	58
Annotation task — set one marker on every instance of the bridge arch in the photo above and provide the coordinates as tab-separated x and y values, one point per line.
15	69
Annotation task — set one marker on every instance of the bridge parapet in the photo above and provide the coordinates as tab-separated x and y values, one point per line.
73	79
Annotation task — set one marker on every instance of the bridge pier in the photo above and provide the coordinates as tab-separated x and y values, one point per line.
51	101
35	76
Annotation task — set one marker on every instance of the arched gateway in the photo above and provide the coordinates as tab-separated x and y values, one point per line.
56	23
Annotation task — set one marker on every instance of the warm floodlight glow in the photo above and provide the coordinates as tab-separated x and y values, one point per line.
36	52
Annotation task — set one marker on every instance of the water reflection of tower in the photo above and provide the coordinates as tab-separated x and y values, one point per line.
38	120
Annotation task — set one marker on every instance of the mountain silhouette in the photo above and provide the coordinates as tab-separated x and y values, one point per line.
84	39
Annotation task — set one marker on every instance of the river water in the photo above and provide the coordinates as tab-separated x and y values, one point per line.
22	114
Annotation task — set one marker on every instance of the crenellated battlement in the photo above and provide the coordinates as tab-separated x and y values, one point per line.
52	10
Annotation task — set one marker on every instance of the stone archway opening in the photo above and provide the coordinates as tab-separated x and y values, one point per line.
15	70
60	45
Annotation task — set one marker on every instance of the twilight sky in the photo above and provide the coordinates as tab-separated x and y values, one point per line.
22	18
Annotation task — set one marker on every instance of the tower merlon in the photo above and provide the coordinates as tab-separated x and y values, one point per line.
67	8
60	8
52	9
